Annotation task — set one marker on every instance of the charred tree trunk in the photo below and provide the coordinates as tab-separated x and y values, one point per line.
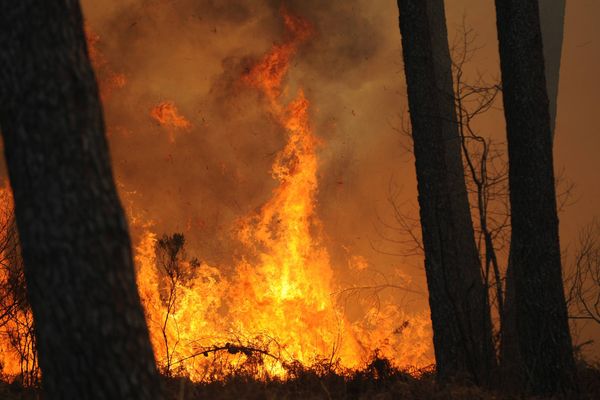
91	333
539	338
457	297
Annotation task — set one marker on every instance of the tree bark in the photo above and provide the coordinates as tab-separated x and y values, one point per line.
457	297
540	338
552	15
91	332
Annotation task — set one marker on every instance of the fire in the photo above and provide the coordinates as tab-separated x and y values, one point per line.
268	74
279	300
278	305
17	342
167	115
285	294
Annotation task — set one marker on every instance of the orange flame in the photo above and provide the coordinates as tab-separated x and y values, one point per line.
281	291
108	79
16	323
268	74
167	115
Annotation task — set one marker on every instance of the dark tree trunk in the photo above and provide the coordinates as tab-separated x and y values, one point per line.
552	15
91	333
535	287
510	359
458	300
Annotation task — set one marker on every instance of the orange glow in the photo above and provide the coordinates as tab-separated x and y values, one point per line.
108	79
280	296
277	303
16	323
167	115
96	56
268	74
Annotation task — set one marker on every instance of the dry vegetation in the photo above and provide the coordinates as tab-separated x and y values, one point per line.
378	379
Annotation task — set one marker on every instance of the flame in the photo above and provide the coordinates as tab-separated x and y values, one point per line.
277	304
167	115
17	356
286	294
268	74
280	297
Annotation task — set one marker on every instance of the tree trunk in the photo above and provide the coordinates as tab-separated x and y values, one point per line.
91	333
457	297
535	287
552	15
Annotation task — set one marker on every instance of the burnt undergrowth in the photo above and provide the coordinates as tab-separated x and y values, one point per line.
377	379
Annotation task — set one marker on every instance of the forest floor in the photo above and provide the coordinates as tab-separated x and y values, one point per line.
378	380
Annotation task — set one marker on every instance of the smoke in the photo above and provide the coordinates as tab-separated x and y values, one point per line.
200	180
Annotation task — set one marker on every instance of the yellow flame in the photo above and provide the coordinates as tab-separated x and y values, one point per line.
281	292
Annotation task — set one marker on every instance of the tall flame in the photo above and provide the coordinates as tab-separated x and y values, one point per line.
280	295
286	293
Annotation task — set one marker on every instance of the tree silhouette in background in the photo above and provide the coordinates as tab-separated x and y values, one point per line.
543	353
460	311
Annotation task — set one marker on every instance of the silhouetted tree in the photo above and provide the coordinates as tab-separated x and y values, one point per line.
175	270
552	14
457	297
16	320
540	339
91	333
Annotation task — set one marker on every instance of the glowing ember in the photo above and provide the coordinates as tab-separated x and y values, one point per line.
95	55
167	115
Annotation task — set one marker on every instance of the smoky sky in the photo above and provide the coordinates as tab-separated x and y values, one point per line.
194	53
